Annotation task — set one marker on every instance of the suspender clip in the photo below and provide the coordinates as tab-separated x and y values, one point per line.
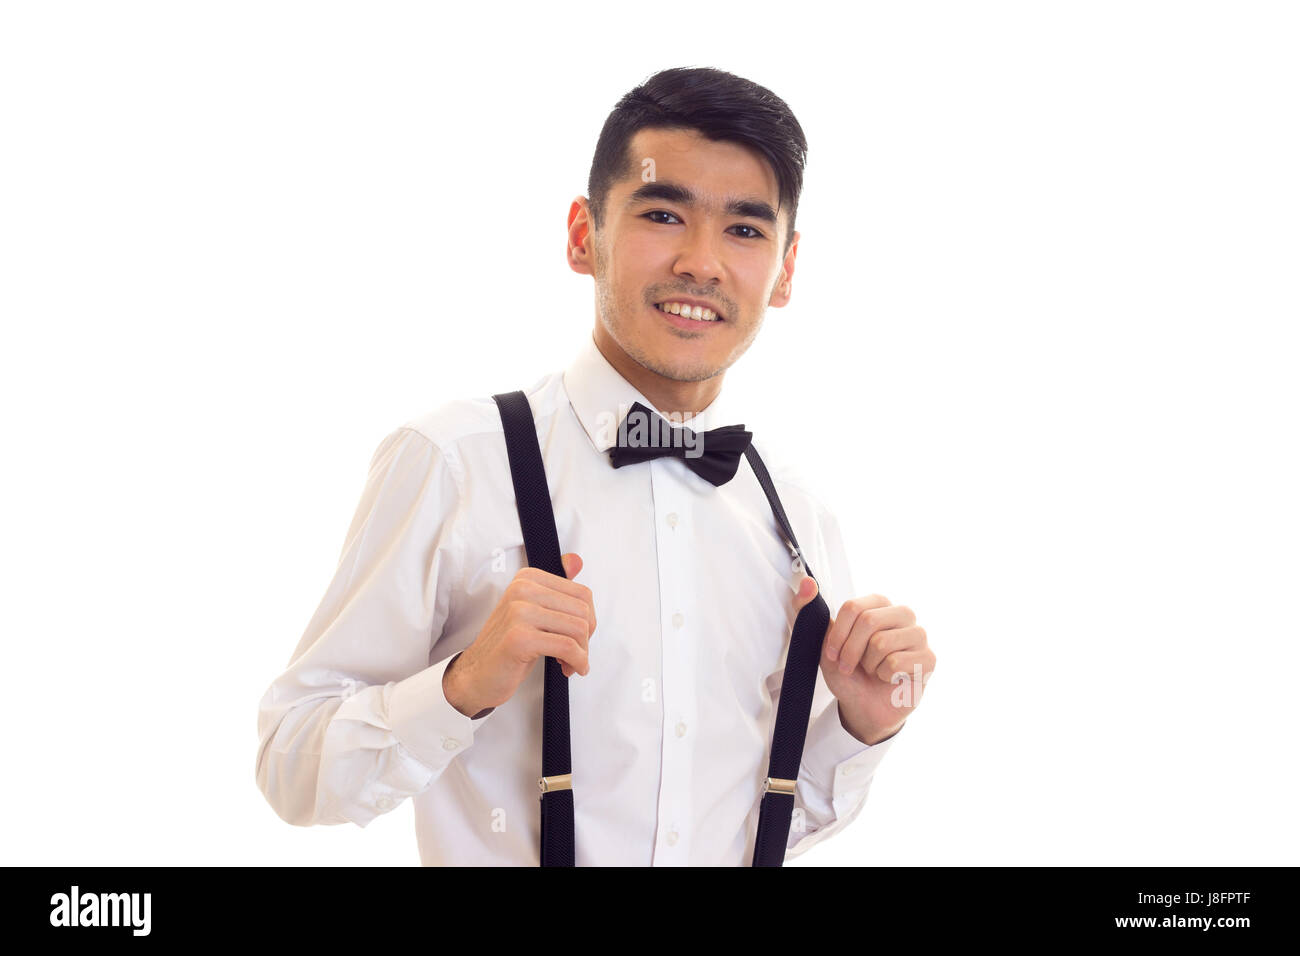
778	784
559	781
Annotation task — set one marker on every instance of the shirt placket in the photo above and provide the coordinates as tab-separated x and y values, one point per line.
677	627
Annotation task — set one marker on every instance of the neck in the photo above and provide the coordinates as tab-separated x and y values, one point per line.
687	399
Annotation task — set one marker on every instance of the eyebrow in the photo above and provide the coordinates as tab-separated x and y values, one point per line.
665	191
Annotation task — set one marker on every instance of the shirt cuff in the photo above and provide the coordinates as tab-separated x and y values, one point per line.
832	753
425	722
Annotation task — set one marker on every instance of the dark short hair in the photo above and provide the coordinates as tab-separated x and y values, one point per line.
719	105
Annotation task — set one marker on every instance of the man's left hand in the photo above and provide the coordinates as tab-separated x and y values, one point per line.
875	660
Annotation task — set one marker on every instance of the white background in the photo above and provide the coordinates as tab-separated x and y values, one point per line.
1042	341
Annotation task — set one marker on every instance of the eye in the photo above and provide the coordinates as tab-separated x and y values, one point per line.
755	234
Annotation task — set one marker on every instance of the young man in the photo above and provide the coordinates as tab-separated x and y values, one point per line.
421	673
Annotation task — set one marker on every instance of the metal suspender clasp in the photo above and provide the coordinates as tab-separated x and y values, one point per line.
779	784
560	781
797	564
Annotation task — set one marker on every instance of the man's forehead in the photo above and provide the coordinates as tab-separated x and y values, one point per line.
687	151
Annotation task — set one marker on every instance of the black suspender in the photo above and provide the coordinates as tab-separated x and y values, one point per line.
795	704
541	542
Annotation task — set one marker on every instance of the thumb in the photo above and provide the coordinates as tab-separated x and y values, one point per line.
572	564
806	593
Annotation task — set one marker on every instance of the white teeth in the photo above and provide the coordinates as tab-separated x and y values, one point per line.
691	312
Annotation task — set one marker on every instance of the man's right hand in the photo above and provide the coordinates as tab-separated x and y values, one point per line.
539	615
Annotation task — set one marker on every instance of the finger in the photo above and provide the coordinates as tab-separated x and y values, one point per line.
535	592
556	622
856	644
564	649
572	564
806	594
562	586
844	621
866	628
558	581
888	639
910	664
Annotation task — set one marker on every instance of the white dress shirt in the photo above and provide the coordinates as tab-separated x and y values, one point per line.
671	729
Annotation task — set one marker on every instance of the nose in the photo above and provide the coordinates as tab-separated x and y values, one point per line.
698	258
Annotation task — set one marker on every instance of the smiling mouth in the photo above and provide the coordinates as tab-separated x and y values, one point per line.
697	313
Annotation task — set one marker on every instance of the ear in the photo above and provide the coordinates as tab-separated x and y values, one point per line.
782	291
581	235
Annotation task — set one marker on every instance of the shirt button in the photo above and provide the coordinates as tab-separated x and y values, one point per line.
672	519
450	743
678	620
385	803
681	730
672	838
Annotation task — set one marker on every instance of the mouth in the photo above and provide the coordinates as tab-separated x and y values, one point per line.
688	315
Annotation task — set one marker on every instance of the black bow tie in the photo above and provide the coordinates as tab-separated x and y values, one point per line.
714	455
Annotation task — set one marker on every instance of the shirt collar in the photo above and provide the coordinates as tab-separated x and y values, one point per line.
601	398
